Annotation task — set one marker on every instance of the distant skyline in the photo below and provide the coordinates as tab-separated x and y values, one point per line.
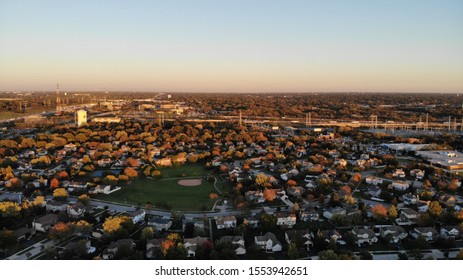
232	46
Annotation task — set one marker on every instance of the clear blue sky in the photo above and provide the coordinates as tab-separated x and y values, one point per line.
232	46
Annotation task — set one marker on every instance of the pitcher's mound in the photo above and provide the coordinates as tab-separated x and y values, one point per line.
190	182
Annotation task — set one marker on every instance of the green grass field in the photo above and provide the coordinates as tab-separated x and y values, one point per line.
167	191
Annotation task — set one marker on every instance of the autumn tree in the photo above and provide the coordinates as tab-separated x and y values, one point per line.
435	209
7	238
357	177
39	201
81	227
60	231
114	224
60	194
9	209
291	183
110	180
262	179
147	233
54	183
132	173
270	194
379	211
84	199
392	212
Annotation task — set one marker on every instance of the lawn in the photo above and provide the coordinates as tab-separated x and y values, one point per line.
166	193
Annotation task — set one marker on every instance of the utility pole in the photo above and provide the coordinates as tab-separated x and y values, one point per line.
58	99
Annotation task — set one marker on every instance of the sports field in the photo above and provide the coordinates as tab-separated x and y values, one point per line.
167	193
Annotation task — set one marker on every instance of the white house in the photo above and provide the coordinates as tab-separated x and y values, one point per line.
428	233
268	242
451	231
191	244
138	216
329	213
400	185
75	211
393	233
398	173
236	240
225	222
160	224
44	223
364	236
286	219
309	215
56	206
373	180
409	199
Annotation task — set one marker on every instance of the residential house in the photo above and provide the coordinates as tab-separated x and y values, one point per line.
159	223
419	174
75	211
407	217
111	251
329	213
253	221
398	173
255	196
393	233
455	232
78	186
225	222
237	241
400	185
137	216
410	199
292	235
56	206
429	233
331	234
364	236
374	191
286	219
102	189
422	206
72	245
44	223
373	180
309	215
24	233
268	242
152	245
191	244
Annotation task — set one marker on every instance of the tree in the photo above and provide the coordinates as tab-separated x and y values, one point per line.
291	183
147	233
81	227
9	209
54	183
327	255
379	211
110	180
357	177
39	201
156	174
84	199
114	224
60	194
392	212
293	251
60	231
435	209
296	207
268	222
7	238
262	179
270	194
129	171
460	255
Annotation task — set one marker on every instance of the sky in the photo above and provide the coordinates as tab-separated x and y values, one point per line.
232	45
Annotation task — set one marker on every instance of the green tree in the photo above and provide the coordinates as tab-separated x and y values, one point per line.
327	255
293	251
147	233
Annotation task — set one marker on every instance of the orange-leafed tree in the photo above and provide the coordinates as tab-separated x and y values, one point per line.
63	175
132	173
213	195
54	183
84	199
270	194
379	211
291	183
357	177
459	215
39	201
60	231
